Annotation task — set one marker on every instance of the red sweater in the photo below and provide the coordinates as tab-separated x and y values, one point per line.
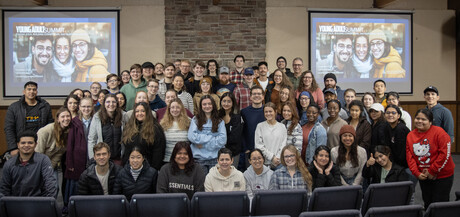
429	150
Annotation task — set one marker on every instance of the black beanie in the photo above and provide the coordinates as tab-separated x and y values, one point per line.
330	75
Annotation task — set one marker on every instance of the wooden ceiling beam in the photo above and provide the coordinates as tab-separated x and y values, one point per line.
383	3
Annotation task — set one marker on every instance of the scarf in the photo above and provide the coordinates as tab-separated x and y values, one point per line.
64	71
363	67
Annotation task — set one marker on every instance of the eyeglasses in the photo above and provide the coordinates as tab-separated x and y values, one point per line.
278	76
391	113
80	45
377	43
85	107
112	81
307	77
256	159
289	156
153	86
41	48
297	65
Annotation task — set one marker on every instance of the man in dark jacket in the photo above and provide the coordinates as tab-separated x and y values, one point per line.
99	177
29	113
28	173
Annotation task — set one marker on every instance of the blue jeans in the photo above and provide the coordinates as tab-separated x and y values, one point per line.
56	176
70	189
206	164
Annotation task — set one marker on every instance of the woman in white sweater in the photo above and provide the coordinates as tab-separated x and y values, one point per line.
270	136
175	123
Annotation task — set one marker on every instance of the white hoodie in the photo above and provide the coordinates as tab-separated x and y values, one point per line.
216	182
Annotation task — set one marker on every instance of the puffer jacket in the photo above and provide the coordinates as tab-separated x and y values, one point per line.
146	181
89	184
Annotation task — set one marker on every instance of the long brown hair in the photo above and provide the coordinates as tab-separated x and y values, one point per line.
285	79
146	129
61	133
295	116
314	84
117	115
299	163
183	122
342	154
201	116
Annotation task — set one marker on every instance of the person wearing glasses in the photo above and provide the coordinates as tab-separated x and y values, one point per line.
387	61
91	64
257	175
339	60
37	66
113	83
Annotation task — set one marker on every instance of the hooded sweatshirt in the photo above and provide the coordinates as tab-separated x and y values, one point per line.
389	66
216	182
256	182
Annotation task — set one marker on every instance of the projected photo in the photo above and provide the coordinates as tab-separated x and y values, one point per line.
62	51
359	50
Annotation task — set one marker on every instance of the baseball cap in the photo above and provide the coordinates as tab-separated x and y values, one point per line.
249	71
431	89
224	69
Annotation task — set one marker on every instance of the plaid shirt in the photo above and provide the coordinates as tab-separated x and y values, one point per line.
236	77
242	94
281	180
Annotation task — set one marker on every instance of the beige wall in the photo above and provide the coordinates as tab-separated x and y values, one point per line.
142	35
433	38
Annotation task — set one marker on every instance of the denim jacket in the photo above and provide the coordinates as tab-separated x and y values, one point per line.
317	137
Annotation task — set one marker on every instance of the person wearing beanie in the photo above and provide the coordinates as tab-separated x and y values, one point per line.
387	61
91	64
205	89
330	81
339	60
349	157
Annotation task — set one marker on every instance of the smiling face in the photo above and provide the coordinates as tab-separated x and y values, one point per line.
206	106
135	74
391	115
377	48
152	88
26	145
368	101
141	97
205	87
297	65
184	67
278	77
86	107
175	109
312	114
182	158
159	69
257	96
347	139
284	95
43	52
78	93
226	103
431	98
198	70
212	67
147	72
333	109
64	119
136	160
225	162
281	63
361	48
72	105
355	112
307	80
121	99
178	83
30	92
125	77
139	113
304	101
263	70
381	159
375	115
289	158
256	160
322	158
224	78
102	157
330	83
110	104
62	49
80	49
392	100
422	122
287	113
343	49
169	96
349	96
269	113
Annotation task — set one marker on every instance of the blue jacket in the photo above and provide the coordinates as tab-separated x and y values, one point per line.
317	137
442	117
211	141
157	103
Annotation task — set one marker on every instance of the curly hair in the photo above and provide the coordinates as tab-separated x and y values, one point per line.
314	84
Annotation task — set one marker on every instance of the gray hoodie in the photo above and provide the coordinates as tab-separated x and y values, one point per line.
256	182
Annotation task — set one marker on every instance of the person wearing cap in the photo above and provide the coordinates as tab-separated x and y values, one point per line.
331	94
193	84
30	112
362	60
242	91
147	70
349	157
263	73
224	84
37	66
339	60
136	83
376	112
91	64
442	117
205	89
236	75
387	61
330	81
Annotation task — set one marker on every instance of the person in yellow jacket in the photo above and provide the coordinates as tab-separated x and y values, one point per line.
387	61
91	64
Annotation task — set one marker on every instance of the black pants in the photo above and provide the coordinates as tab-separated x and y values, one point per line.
437	190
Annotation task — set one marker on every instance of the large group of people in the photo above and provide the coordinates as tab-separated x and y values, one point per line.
161	128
